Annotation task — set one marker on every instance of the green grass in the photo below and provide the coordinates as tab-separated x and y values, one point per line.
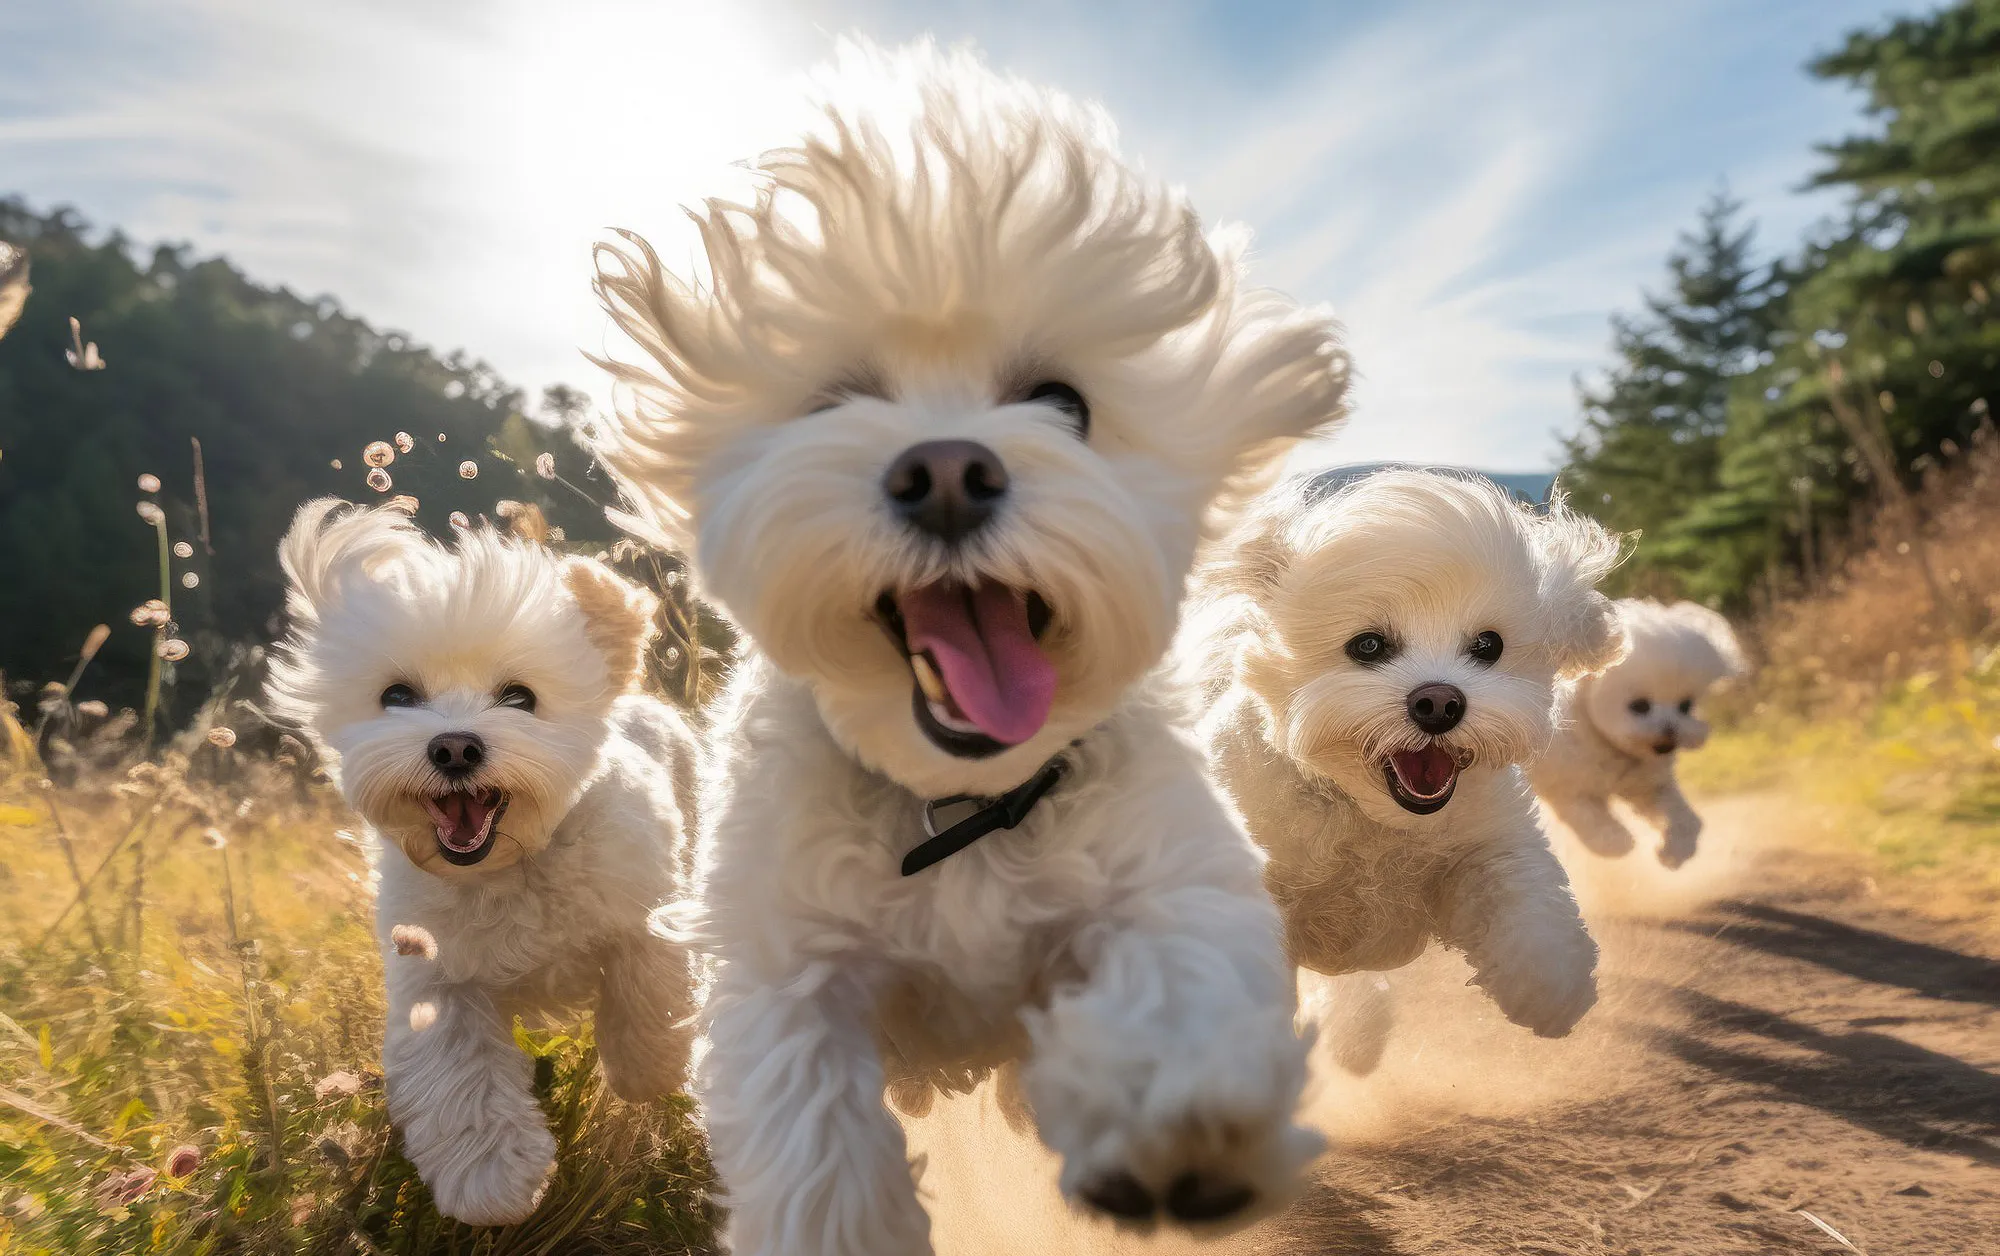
227	997
1911	782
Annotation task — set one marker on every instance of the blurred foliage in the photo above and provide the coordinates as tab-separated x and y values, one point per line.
1719	433
277	388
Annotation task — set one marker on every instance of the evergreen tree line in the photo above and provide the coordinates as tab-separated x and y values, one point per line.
283	394
1759	408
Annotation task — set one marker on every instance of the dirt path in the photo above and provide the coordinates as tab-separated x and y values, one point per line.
1775	1038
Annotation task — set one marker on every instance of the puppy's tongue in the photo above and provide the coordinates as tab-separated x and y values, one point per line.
461	818
979	638
1425	773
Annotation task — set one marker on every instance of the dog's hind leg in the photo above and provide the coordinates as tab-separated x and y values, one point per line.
463	1095
645	1016
1168	1078
1508	906
811	1161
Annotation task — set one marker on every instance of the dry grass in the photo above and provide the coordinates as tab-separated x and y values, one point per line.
1877	711
219	990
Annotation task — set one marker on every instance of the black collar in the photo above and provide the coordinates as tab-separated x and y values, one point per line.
1003	812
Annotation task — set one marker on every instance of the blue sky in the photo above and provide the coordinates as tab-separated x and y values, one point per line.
1473	186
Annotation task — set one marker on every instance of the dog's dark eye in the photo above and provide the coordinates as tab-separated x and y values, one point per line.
520	697
1370	648
1639	706
400	696
1687	705
1054	392
1486	647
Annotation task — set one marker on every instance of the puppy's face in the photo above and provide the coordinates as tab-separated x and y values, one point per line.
461	695
943	433
1646	705
1413	627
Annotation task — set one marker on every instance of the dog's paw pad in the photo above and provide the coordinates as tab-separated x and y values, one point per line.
1119	1195
1198	1197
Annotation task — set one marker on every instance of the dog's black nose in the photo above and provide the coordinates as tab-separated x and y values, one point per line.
1437	707
948	488
457	754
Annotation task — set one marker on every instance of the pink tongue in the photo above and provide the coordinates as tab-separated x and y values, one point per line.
989	661
459	819
1425	772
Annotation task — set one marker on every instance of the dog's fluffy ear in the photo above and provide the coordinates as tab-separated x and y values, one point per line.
1577	553
1709	628
617	617
331	541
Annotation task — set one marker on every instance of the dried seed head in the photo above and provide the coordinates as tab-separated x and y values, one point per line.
183	550
152	514
379	480
468	470
545	466
414	940
183	1160
440	438
506	508
458	519
150	614
92	707
402	502
149	483
405	441
335	464
189	580
557	535
173	649
222	736
378	453
213	839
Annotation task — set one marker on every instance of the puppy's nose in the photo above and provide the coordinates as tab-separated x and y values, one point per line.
457	754
948	488
1667	744
1437	707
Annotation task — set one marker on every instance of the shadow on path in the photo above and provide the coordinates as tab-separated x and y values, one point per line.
1883	958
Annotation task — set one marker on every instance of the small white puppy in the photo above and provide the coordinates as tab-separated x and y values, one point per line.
477	706
1392	651
941	428
1623	730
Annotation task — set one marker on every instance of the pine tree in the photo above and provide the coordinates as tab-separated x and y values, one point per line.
1650	443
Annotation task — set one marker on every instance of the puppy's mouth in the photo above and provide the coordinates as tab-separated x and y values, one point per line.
466	822
1422	781
980	681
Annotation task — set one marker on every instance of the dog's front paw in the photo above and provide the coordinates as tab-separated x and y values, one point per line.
1544	980
1200	1140
1678	844
488	1174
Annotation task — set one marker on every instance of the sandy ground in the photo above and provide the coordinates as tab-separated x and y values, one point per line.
1779	1040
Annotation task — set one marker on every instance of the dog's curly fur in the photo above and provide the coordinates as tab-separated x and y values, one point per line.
1623	731
949	239
587	843
1303	731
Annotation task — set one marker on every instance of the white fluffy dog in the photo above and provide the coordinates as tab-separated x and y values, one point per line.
941	429
1393	651
1624	729
477	706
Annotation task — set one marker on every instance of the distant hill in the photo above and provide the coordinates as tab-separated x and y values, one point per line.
282	391
1532	487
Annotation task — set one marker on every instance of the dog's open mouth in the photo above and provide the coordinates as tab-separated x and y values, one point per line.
981	681
1421	781
466	822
